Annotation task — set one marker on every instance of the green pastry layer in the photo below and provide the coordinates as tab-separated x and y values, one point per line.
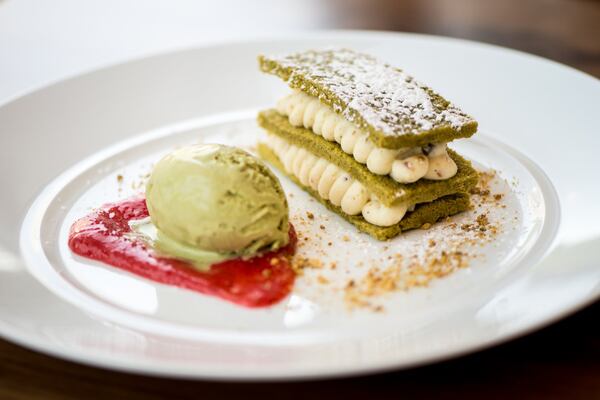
390	103
387	190
424	213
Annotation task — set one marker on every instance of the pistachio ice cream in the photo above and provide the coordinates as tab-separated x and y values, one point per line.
212	202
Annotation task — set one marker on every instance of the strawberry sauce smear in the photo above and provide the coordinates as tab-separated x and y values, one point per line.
105	235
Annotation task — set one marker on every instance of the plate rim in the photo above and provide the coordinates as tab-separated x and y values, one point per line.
281	37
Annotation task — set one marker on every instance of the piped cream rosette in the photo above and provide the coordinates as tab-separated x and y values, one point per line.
403	165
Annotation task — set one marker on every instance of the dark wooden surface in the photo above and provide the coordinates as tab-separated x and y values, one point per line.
561	361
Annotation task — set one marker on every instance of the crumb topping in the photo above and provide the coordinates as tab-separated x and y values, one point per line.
446	247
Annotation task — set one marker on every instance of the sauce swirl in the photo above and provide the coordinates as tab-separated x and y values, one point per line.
106	236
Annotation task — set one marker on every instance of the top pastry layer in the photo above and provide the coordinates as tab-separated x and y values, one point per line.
393	107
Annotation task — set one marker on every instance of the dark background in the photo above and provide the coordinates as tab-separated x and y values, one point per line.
561	361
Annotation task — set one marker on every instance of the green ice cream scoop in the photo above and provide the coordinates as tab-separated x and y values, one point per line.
212	202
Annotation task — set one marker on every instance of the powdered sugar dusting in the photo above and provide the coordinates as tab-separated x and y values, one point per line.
387	99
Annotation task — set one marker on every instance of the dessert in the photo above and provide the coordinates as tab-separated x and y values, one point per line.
367	141
214	220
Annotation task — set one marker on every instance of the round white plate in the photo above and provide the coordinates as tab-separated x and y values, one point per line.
537	122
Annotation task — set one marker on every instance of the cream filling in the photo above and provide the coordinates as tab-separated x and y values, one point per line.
403	165
334	184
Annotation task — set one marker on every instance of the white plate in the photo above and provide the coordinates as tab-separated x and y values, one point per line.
535	273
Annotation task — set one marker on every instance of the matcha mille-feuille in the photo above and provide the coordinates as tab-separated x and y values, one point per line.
367	141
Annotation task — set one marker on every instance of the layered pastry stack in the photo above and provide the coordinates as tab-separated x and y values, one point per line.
367	140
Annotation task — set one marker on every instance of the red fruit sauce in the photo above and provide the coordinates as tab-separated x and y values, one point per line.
104	235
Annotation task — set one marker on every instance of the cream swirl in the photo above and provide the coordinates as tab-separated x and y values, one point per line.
334	184
403	165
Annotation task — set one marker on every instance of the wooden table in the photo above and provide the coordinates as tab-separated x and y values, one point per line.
561	361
